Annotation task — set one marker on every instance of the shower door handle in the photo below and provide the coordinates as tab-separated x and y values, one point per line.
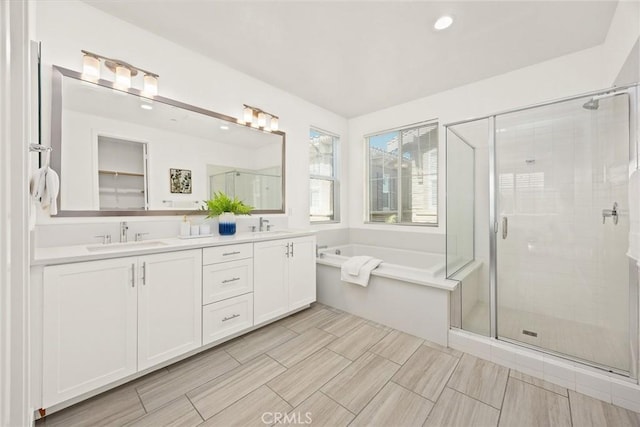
505	227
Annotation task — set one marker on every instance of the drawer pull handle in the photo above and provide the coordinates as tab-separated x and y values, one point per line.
235	279
231	253
233	316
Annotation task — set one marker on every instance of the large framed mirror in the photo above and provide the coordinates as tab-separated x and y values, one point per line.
120	153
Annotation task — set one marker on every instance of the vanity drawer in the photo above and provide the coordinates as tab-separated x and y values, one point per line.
224	318
226	253
226	279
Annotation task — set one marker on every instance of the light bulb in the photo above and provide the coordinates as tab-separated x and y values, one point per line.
443	22
274	123
123	76
262	119
90	66
248	115
150	83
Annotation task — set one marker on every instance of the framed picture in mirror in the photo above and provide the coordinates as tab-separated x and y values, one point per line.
180	181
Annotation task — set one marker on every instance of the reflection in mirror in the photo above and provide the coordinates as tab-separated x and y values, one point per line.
119	153
260	186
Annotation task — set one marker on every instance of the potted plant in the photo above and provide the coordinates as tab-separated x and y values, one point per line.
226	208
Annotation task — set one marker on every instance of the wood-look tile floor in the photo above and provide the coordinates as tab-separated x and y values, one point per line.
324	367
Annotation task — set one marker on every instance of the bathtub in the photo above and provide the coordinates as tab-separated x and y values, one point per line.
408	291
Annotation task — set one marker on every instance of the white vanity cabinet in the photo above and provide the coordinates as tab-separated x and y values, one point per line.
169	306
227	289
284	276
105	320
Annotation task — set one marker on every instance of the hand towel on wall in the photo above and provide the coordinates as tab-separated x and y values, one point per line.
44	186
358	269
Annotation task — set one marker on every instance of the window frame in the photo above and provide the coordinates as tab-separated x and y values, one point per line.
334	178
367	176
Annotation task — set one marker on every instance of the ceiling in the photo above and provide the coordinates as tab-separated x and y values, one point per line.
355	57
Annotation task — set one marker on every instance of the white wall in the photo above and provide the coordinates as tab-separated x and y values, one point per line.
564	76
66	27
621	38
15	109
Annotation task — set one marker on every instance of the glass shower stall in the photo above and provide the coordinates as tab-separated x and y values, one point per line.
539	196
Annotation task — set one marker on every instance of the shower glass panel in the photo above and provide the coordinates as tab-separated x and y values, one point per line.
562	269
467	218
460	202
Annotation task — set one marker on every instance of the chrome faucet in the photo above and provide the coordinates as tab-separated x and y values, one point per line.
264	222
318	253
123	232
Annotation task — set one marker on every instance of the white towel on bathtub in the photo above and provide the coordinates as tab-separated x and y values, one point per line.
358	269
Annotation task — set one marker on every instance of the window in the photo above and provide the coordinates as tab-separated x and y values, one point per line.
403	175
323	192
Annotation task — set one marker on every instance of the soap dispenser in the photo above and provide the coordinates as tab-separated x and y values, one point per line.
185	227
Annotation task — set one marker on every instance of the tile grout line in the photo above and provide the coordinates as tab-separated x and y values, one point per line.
419	395
268	355
141	402
504	395
334	401
278	394
570	411
323	384
194	407
539	386
231	356
381	388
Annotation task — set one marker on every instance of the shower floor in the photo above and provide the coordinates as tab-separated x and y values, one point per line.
578	340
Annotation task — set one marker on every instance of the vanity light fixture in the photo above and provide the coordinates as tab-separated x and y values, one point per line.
123	71
443	22
224	127
90	66
146	107
258	118
123	76
150	84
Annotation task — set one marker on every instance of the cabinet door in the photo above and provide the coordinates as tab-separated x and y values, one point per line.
270	290
89	326
302	272
169	306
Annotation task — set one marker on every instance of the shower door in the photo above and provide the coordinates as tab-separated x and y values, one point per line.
561	198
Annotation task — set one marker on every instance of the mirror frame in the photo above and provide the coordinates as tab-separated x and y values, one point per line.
56	144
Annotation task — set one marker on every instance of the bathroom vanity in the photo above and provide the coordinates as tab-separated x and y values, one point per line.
106	314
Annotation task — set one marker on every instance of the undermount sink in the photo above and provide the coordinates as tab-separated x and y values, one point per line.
110	247
270	233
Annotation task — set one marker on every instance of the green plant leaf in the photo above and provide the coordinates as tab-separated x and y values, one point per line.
221	203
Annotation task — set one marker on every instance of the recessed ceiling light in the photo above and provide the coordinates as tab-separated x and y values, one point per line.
224	127
146	107
443	22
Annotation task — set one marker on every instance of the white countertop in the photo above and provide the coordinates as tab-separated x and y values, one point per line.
78	253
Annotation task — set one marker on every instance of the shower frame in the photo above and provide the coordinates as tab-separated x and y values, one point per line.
634	164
